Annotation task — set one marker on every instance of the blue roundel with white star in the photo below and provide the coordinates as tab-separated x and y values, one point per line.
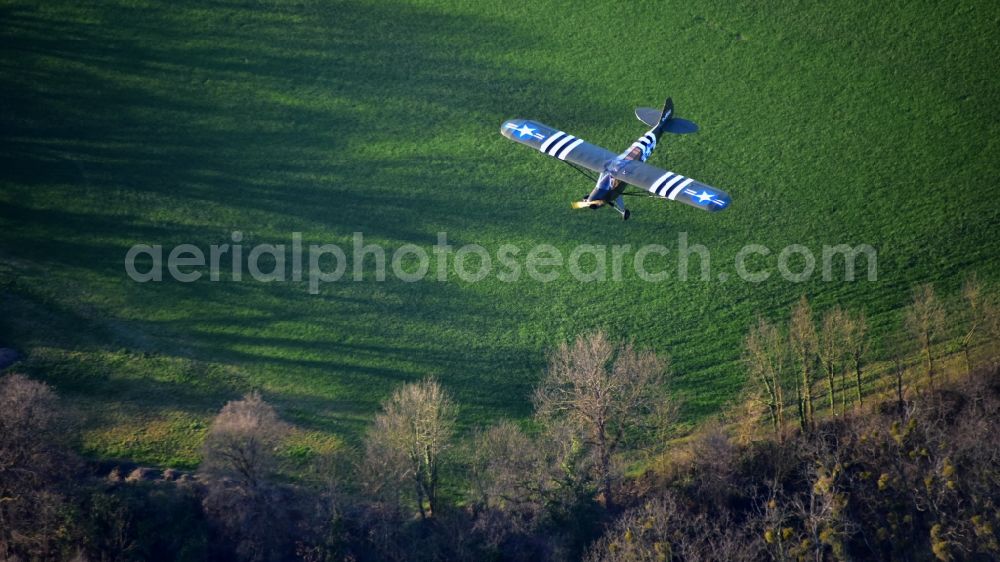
713	200
527	132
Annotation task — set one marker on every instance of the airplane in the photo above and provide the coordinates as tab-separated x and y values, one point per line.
615	171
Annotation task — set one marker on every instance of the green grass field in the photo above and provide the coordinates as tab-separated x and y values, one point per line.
180	122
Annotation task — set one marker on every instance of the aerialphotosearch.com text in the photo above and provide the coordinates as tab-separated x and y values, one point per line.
364	261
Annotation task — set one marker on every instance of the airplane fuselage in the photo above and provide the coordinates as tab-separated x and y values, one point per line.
608	190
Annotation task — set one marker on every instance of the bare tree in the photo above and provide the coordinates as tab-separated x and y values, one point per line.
33	460
384	472
977	316
503	462
606	392
926	322
242	440
766	359
238	458
803	343
896	344
857	345
518	481
830	349
507	480
410	437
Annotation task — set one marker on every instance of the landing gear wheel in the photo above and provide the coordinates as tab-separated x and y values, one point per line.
626	215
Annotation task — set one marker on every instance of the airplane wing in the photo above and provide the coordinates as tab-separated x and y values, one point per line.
558	144
669	185
661	183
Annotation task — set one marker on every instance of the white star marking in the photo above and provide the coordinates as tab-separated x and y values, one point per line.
704	196
525	130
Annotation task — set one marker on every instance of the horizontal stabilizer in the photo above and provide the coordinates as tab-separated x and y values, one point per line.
675	125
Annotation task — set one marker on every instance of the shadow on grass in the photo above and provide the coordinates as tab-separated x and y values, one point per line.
179	124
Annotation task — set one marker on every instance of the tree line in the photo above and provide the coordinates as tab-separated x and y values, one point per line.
793	365
412	490
862	474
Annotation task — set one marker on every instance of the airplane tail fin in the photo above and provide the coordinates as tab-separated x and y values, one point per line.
665	116
668	110
665	119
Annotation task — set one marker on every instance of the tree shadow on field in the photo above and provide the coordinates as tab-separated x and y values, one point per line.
183	122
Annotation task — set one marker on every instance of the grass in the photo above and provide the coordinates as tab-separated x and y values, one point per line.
169	123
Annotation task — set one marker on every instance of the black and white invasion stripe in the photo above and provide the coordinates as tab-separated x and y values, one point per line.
646	143
664	183
560	144
680	187
669	185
